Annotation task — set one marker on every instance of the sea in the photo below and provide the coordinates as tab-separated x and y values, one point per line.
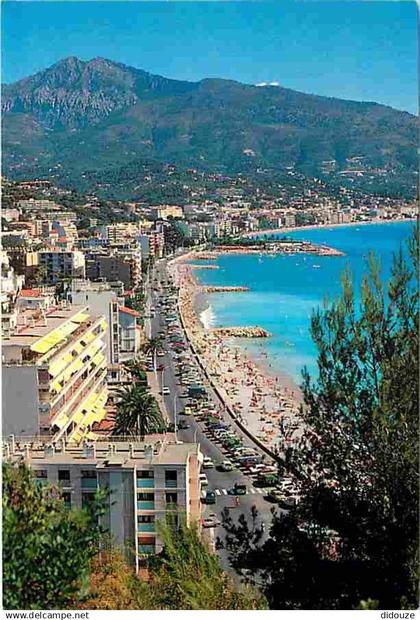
285	290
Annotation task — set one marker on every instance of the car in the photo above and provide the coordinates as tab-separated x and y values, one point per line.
288	502
274	496
226	466
166	390
266	480
183	425
207	463
237	489
211	521
187	411
210	498
160	353
203	480
160	367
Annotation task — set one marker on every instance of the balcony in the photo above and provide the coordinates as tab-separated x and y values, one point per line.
171	484
146	549
148	528
145	483
145	505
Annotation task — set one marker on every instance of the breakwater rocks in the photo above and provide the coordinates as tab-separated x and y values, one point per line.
204	266
225	289
241	332
204	256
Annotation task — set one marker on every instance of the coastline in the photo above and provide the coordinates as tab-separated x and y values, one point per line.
276	231
259	396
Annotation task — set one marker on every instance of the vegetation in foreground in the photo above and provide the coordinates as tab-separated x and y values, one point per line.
185	576
352	540
60	558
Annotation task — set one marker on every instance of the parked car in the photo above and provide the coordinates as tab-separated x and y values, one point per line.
183	425
210	498
266	480
274	496
166	390
207	463
211	521
203	480
226	466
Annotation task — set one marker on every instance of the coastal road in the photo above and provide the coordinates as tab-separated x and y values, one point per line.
220	482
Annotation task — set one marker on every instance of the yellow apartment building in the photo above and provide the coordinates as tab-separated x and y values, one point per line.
54	373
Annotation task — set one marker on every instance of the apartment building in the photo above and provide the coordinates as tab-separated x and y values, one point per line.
167	211
62	265
118	234
54	373
147	480
124	266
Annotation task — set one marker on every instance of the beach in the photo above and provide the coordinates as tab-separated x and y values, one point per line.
260	398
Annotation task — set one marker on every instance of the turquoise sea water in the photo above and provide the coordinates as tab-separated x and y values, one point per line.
285	289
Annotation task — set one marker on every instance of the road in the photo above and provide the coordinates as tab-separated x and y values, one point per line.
220	482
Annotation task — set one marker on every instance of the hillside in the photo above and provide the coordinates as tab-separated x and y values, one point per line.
98	114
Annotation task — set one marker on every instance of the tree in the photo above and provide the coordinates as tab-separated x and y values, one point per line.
151	346
137	370
47	548
114	584
351	541
137	413
188	576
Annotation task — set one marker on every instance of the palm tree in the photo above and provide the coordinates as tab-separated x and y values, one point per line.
138	413
151	346
137	370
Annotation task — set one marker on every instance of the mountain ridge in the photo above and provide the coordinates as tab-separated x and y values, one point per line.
91	114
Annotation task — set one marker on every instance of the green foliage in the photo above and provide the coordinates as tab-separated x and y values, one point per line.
353	536
137	412
47	548
188	576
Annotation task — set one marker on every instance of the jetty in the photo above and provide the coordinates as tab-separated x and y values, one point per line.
204	266
241	332
205	255
225	289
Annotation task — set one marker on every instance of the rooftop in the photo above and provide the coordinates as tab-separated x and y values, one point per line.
34	325
107	452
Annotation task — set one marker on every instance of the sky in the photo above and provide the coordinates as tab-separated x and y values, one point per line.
361	50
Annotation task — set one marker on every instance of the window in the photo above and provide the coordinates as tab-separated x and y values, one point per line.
41	474
145	473
64	474
145	497
146	519
67	500
171	498
88	473
170	475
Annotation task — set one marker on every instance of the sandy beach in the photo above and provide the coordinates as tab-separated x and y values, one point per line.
260	398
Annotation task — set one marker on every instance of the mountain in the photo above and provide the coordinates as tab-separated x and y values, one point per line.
98	114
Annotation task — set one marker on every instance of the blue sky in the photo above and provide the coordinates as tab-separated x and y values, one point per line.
349	49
